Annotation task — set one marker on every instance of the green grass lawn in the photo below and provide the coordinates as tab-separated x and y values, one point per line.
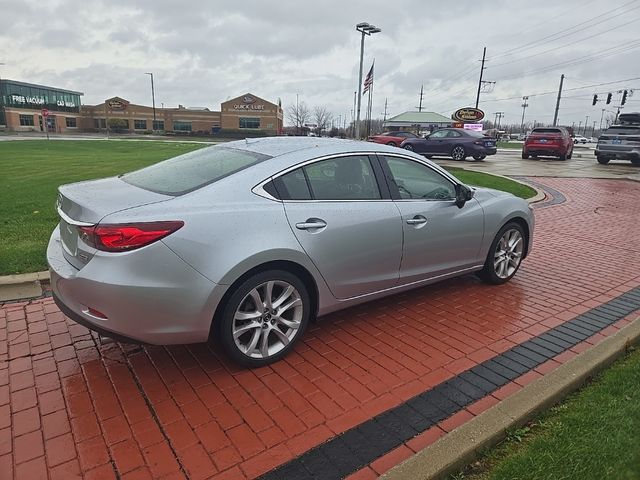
514	145
32	170
592	436
480	179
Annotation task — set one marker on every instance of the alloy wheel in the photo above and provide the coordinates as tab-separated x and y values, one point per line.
267	319
457	153
409	147
508	253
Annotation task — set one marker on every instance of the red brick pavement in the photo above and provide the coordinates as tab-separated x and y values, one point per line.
71	408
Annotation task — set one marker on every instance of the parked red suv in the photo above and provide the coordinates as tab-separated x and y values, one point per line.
392	138
549	142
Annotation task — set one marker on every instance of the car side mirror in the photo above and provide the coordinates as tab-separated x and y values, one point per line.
463	195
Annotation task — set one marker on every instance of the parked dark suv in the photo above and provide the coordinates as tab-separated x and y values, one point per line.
548	141
620	141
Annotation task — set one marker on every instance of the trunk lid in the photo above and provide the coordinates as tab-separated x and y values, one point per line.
86	203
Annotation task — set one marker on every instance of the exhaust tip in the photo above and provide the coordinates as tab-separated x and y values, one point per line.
105	340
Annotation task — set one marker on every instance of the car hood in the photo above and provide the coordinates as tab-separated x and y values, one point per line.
484	192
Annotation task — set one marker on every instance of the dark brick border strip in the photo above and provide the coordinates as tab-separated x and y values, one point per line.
556	197
361	445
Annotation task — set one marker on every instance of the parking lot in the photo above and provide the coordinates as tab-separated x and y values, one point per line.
70	407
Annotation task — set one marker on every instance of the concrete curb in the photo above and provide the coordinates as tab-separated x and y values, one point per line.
22	287
461	446
25	278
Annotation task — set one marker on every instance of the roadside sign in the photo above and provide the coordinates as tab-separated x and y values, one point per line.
45	112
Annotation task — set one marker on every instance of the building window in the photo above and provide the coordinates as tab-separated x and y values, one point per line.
71	122
140	124
26	120
179	126
100	122
249	122
158	124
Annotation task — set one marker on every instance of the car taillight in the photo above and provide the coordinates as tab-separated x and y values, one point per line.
478	142
127	236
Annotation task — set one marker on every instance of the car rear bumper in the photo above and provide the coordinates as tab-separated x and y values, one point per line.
623	153
148	295
480	150
542	150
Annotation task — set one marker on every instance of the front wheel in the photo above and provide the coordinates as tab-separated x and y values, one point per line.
392	144
505	255
458	153
429	156
264	317
602	160
409	147
479	157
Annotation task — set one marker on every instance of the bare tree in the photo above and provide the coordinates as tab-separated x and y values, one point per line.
298	115
322	118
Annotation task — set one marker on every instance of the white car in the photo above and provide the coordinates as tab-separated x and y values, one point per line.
580	139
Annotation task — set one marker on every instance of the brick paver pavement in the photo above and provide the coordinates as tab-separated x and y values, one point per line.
71	408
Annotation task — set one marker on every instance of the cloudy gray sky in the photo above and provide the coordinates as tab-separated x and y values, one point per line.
204	52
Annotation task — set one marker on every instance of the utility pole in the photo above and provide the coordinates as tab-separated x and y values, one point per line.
421	95
353	113
153	99
579	126
555	115
384	119
484	54
585	126
593	129
601	117
524	107
500	115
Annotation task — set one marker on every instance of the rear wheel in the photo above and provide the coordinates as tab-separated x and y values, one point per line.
264	318
570	155
392	144
563	156
409	147
635	161
525	156
458	153
505	255
479	157
602	160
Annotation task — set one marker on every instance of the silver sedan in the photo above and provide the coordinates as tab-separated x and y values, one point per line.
244	243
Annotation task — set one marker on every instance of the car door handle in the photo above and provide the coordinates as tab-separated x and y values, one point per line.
310	224
417	220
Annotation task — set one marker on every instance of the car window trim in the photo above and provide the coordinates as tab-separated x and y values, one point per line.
378	174
395	192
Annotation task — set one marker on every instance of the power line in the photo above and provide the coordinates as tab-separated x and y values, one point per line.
537	42
566	44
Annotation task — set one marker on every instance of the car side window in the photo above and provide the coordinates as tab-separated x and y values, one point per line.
417	181
343	178
293	186
453	134
439	134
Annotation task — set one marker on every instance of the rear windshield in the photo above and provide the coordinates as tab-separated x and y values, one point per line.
623	130
546	130
193	170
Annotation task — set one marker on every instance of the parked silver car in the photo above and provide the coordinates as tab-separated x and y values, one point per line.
246	242
620	141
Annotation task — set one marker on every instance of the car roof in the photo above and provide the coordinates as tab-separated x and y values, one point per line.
278	146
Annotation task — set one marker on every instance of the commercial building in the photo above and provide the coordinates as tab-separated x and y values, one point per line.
417	121
25	106
22	106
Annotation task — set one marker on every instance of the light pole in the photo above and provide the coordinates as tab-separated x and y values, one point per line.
586	122
153	99
365	29
601	117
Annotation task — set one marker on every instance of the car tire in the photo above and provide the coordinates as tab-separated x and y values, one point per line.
479	157
563	156
458	153
254	334
635	161
570	155
409	147
503	259
602	160
429	156
392	144
525	156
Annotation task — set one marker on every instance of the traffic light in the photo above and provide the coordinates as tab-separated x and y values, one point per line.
595	99
624	98
609	95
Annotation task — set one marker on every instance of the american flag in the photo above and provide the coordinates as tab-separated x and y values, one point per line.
368	81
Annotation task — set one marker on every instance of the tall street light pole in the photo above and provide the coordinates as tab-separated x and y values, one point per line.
601	117
365	29
153	99
524	107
